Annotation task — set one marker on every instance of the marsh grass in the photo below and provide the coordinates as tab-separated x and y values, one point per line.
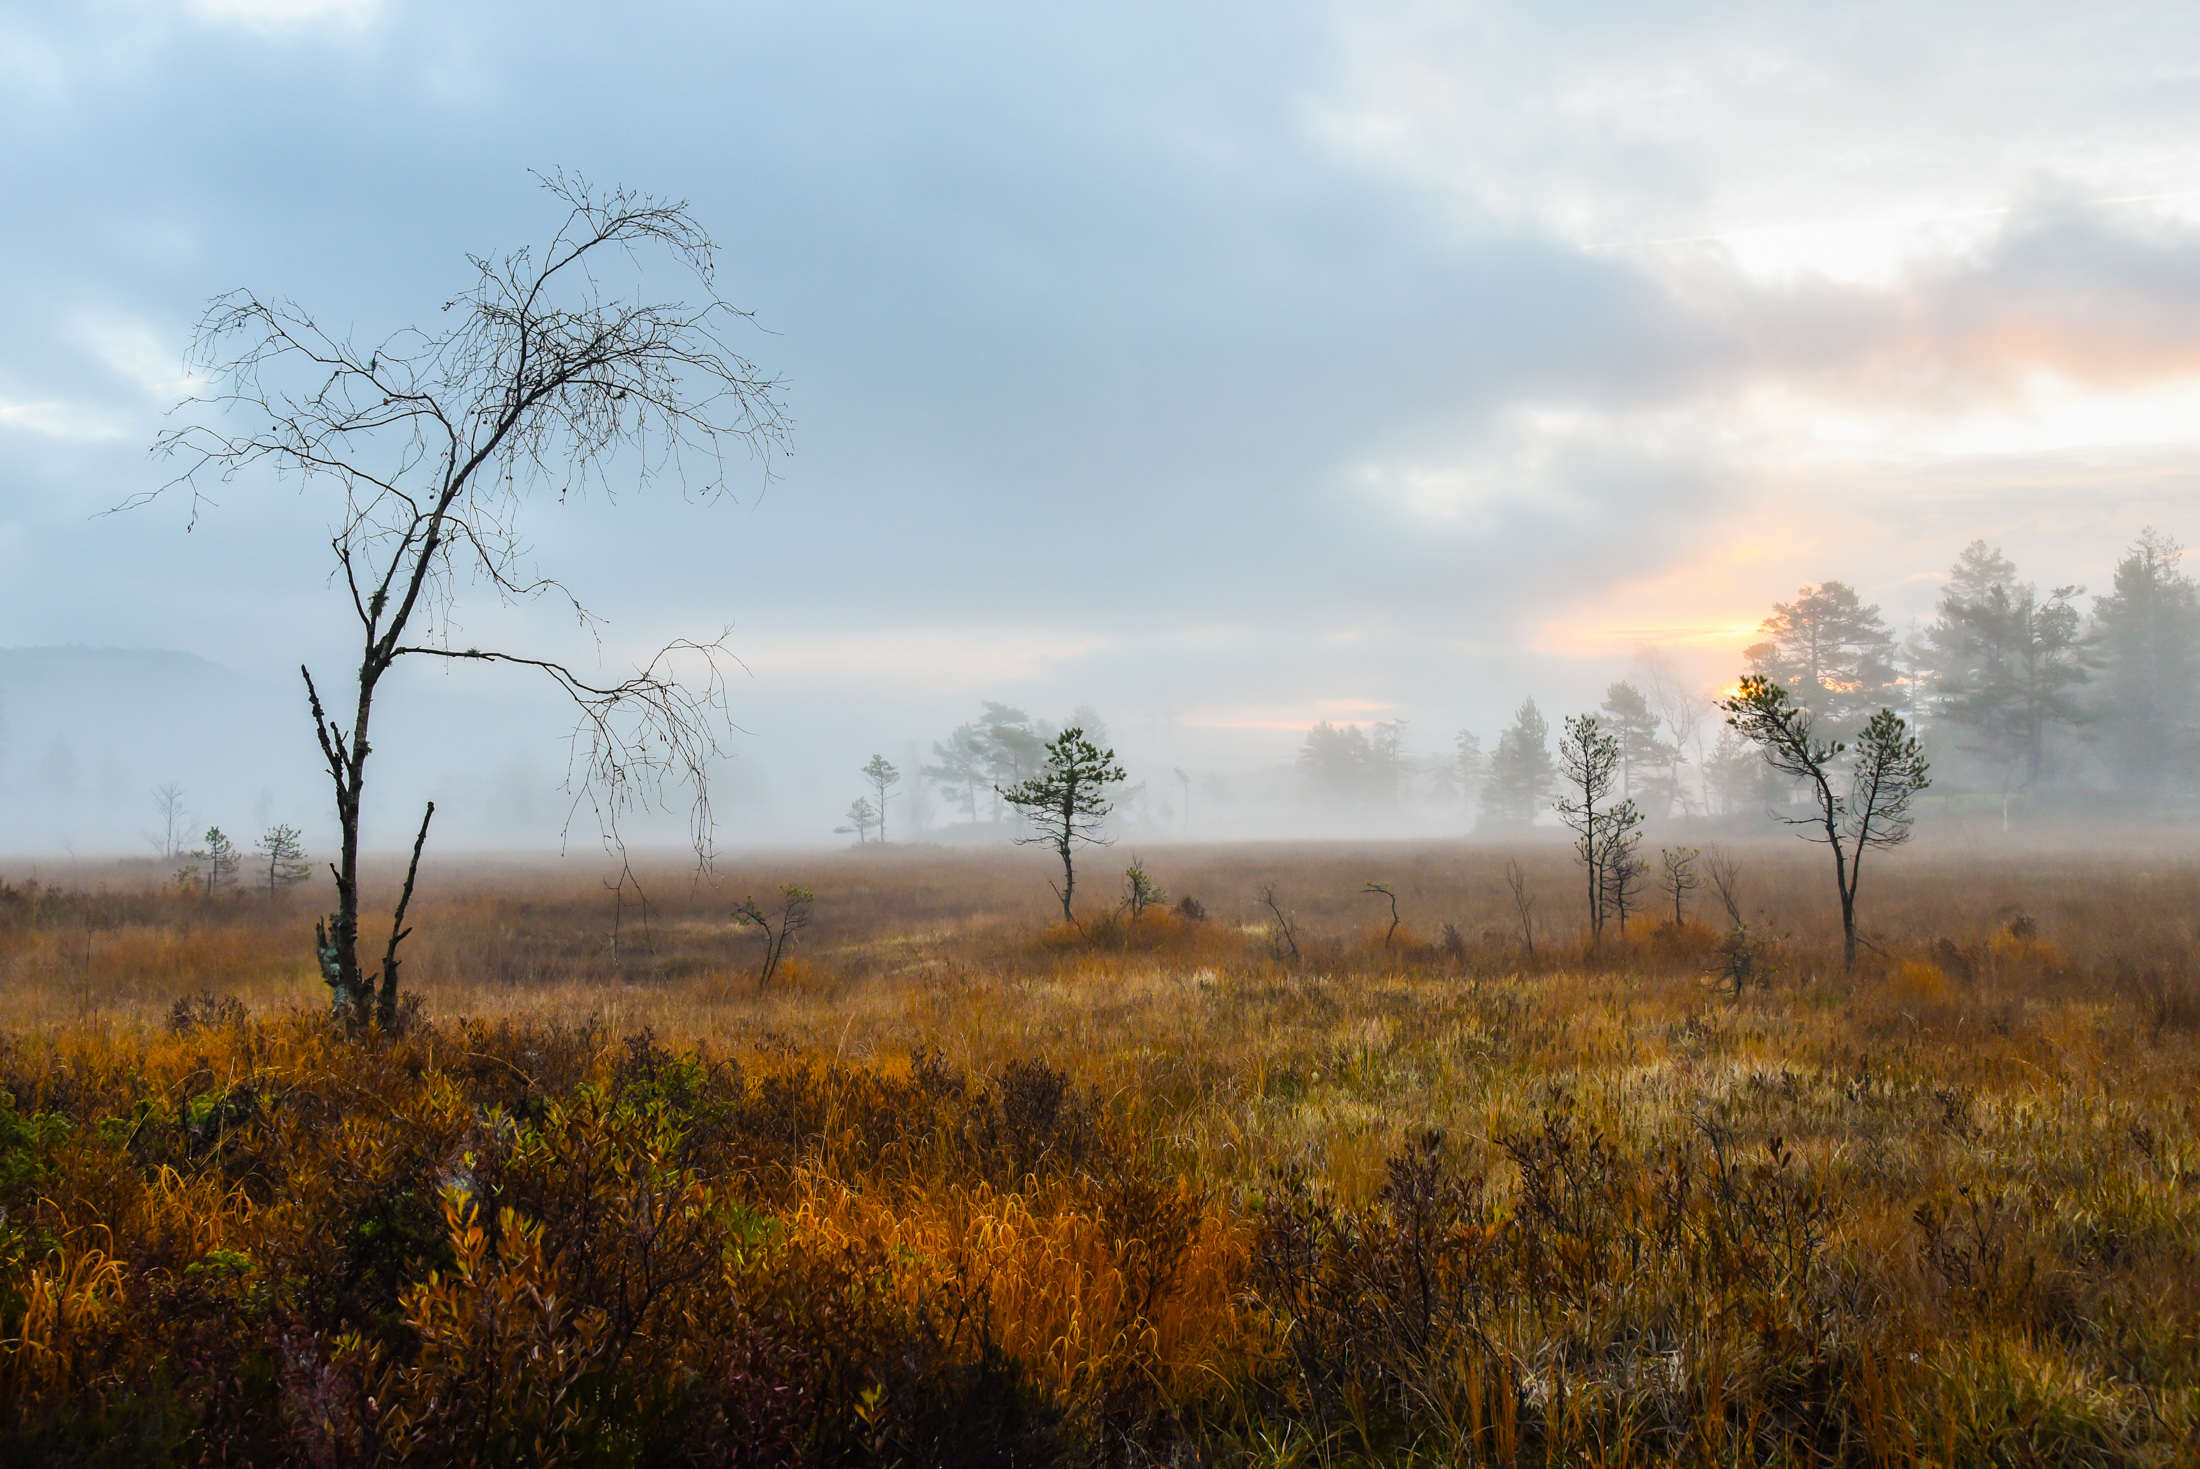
963	1186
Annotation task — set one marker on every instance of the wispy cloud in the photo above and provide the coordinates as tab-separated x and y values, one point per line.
66	421
284	14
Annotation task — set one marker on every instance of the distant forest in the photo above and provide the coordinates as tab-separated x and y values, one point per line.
2022	697
2018	695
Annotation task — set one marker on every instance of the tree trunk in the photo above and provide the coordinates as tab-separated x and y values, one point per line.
1069	869
1847	877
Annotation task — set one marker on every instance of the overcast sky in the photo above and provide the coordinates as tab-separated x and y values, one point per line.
1222	367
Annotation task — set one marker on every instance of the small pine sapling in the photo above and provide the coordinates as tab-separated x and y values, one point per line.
210	868
862	816
883	777
1140	892
282	848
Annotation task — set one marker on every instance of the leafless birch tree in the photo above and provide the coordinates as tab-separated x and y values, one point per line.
553	374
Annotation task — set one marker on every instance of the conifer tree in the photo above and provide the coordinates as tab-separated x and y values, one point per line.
1066	803
1831	651
1520	771
1870	810
2004	662
2147	636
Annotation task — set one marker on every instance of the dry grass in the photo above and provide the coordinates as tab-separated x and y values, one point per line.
1422	1203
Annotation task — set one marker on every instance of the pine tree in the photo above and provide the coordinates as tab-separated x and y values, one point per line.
961	766
2003	663
1520	771
1602	820
1067	801
213	867
2147	632
282	848
1333	764
883	777
862	816
1871	810
1831	652
1646	763
1347	767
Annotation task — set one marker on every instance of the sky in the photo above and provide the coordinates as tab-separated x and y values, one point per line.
1223	368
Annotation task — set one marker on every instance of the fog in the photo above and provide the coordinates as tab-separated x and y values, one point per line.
1225	374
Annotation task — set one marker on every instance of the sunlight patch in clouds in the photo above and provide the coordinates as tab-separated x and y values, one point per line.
933	659
272	14
1288	716
2056	416
66	421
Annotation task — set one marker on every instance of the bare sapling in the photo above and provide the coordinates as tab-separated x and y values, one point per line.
779	928
386	997
1382	889
172	817
1624	871
549	375
1284	935
1679	877
1739	960
1523	903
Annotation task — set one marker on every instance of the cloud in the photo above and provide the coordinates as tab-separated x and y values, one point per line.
1230	360
67	421
284	14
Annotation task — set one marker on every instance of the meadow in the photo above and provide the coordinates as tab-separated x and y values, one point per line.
964	1186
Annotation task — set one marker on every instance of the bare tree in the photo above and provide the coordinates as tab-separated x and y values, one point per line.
1679	706
172	817
1680	877
779	928
1523	903
1725	873
1285	933
1739	958
1383	890
549	375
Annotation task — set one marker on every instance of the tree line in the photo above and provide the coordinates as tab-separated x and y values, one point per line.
2024	695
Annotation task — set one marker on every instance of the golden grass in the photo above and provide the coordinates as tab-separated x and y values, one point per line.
1989	1134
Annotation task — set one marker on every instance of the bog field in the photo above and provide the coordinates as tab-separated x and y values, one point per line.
1258	1179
